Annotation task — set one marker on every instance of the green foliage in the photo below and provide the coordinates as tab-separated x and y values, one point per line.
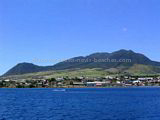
92	62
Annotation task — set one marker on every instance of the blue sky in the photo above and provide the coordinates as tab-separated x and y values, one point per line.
59	29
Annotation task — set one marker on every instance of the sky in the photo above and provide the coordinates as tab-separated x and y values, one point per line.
61	29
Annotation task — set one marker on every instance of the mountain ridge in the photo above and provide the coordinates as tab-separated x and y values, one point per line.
136	58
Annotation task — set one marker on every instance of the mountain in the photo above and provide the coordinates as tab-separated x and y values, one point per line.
23	68
102	60
96	60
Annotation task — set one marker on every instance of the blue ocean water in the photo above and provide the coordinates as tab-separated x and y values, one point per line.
80	104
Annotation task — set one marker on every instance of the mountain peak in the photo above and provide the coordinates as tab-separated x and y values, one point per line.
24	63
22	68
124	51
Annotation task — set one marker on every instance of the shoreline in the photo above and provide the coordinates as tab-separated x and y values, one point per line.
83	87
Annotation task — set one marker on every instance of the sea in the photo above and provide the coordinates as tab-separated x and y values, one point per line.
80	103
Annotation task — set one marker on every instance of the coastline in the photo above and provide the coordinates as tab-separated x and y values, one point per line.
83	87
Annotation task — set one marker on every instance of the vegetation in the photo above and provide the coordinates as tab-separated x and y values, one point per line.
138	64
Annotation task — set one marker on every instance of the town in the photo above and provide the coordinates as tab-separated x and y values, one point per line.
80	82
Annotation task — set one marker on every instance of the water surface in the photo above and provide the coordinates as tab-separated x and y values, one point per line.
80	104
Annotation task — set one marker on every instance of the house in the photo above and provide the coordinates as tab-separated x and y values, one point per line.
78	84
7	80
145	79
96	84
128	84
118	82
59	79
81	78
136	81
109	77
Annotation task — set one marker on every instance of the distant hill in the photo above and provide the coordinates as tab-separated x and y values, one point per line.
97	60
23	68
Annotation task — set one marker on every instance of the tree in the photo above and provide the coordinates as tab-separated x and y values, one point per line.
51	81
